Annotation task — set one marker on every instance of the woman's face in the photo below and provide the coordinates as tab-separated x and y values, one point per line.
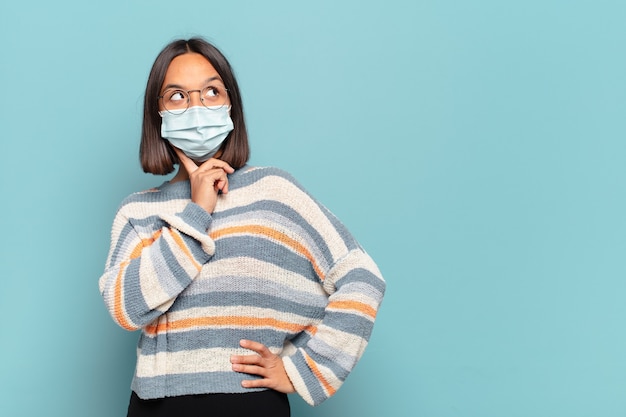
192	75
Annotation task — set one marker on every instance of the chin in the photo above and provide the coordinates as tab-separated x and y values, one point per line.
200	161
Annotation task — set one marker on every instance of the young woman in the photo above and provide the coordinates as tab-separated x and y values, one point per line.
245	288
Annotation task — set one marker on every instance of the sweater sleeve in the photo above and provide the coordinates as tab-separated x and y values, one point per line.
144	274
319	367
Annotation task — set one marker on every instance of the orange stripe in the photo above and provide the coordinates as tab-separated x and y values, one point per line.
272	234
117	306
329	388
227	321
353	305
179	241
117	299
144	244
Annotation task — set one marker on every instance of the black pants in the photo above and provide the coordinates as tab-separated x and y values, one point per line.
267	403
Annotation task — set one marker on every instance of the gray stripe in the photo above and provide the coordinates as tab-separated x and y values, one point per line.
301	340
225	338
243	299
341	363
359	287
148	225
184	384
362	275
134	303
349	323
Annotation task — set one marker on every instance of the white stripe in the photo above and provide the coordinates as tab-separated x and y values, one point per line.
251	268
189	361
355	259
342	341
152	291
143	209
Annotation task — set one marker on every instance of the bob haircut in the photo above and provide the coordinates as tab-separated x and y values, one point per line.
155	153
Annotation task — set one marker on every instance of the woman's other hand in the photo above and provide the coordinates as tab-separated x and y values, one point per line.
265	364
206	180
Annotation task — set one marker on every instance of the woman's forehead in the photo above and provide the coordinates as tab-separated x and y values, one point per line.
190	68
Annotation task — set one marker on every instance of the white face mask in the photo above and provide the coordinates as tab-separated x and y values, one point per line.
199	131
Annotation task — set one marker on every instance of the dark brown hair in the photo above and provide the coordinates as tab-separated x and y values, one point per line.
155	153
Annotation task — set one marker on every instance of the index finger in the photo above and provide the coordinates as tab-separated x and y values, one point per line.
259	348
218	163
189	165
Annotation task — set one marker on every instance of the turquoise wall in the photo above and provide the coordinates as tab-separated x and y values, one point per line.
476	149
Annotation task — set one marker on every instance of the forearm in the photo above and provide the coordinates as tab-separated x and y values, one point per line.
145	274
320	365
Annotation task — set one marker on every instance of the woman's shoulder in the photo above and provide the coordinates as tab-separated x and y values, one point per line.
264	171
140	196
165	192
253	174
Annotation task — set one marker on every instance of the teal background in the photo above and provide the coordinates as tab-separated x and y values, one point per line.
476	149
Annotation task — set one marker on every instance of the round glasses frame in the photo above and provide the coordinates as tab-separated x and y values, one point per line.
209	102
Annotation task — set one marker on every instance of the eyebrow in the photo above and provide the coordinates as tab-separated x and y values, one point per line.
180	87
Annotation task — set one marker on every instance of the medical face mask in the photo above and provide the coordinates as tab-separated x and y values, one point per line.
199	131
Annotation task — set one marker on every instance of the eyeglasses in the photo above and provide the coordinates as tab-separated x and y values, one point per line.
176	101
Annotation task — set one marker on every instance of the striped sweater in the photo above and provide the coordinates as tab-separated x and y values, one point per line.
270	264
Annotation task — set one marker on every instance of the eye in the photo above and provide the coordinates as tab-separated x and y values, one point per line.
175	95
211	92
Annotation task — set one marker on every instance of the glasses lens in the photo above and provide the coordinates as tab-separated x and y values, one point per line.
175	101
214	96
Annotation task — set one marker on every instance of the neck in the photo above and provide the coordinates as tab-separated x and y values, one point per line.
181	175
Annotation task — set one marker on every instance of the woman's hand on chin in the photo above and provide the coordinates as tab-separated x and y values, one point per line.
206	179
